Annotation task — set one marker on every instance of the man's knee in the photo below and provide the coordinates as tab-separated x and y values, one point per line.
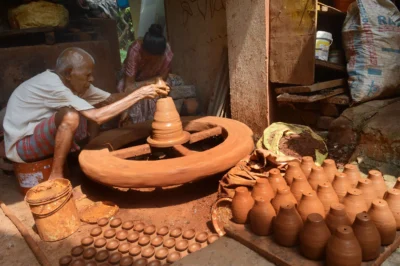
67	116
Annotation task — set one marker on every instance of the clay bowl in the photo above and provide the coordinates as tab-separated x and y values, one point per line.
163	231
77	251
149	230
221	215
133	237
124	248
181	245
64	261
135	250
89	253
169	242
194	247
176	232
126	261
144	240
115	258
87	241
201	237
161	253
141	262
139	227
189	234
109	233
121	235
102	255
96	231
78	262
128	225
112	245
212	238
173	256
100	242
102	222
154	263
148	252
157	241
115	222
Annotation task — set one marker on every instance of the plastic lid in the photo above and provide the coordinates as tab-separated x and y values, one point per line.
324	35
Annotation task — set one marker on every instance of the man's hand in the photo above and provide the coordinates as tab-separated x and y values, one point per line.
153	91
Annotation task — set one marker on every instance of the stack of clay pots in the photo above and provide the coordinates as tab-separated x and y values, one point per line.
339	216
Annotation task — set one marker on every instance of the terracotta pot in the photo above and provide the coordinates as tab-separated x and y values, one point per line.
310	203
276	180
287	226
379	183
327	195
392	198
317	176
337	216
330	169
292	171
283	197
342	5
242	203
262	189
261	216
352	173
299	186
343	248
368	236
368	190
354	203
384	220
307	163
341	185
313	237
397	185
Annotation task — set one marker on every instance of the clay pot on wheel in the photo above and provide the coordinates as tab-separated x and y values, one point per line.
337	216
392	198
293	170
368	191
352	173
307	163
384	220
287	226
330	169
343	248
379	183
283	197
299	186
310	203
261	216
276	180
317	176
327	195
368	236
242	203
341	185
262	189
354	203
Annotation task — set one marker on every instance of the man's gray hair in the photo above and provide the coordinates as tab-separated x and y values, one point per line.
71	58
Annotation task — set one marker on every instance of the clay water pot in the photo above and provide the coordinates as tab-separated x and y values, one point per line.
307	163
287	226
397	185
341	185
262	189
313	237
310	203
293	170
368	236
379	183
352	173
384	220
261	216
242	203
327	195
276	180
337	216
283	197
354	203
299	186
392	198
343	248
330	169
316	177
368	190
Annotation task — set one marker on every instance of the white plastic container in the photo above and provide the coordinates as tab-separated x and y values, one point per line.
322	44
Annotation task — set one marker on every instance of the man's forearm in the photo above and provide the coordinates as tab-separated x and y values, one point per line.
112	99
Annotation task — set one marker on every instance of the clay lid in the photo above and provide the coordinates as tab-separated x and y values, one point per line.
363	217
212	238
102	222
109	233
135	250
126	261
89	253
317	168
241	190
133	237
307	159
189	234
337	209
115	222
274	172
374	174
124	248
315	218
149	230
64	261
324	185
194	247
173	256
100	242
344	232
354	192
144	240
139	227
201	237
78	262
128	225
163	231
262	181
157	241
379	203
115	258
87	241
329	162
364	182
77	251
181	245
284	190
48	190
112	245
176	232
340	175
148	252
121	235
393	191
162	253
154	263
96	231
101	256
169	242
140	262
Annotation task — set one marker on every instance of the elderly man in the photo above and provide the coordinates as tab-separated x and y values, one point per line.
48	113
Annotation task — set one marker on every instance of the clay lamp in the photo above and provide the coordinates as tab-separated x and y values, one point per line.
78	262
149	230
112	245
101	256
121	235
201	237
141	262
96	231
91	263
100	242
77	251
212	238
89	253
65	261
109	233
139	227
157	241
126	261
135	250
133	237
115	258
128	225
181	245
102	222
154	263
194	247
161	253
87	241
176	232
124	248
148	252
144	240
163	231
173	256
169	242
115	222
189	234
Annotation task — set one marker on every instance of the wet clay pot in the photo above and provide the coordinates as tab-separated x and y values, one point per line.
283	197
310	203
317	176
368	190
384	220
262	189
327	195
379	183
299	186
242	203
307	163
261	216
276	180
287	226
330	169
354	203
397	185
341	185
313	237
352	173
368	236
392	198
343	248
293	170
337	216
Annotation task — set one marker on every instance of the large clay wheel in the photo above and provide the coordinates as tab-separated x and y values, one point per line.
104	162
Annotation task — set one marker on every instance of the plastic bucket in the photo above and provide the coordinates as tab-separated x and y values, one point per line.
31	174
322	44
53	209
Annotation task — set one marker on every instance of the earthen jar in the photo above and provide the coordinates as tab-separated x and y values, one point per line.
283	197
337	216
397	185
263	189
287	226
276	180
307	163
327	195
384	220
316	177
352	174
341	185
368	236
299	186
343	248
392	198
293	170
368	190
313	237
354	203
242	203
310	203
330	169
379	183
261	216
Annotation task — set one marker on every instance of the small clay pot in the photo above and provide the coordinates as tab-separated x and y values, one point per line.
78	262
181	245
201	237
133	237
392	198
154	263
135	250
327	195
65	261
89	253
176	232
101	256
397	185
161	253
194	247
87	241
287	226
368	236
139	227
212	238
96	231
149	230
352	174
313	237
126	261
144	240
283	197
316	177
378	183
276	180
293	171
140	262
299	186
343	248
262	189
121	235
330	169
124	248
128	225
169	242
242	203
148	252
173	256
189	234
116	222
261	216
77	251
163	231
307	163
341	185
115	258
368	190
310	203
337	216
109	233
384	221
112	245
102	222
354	203
157	241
